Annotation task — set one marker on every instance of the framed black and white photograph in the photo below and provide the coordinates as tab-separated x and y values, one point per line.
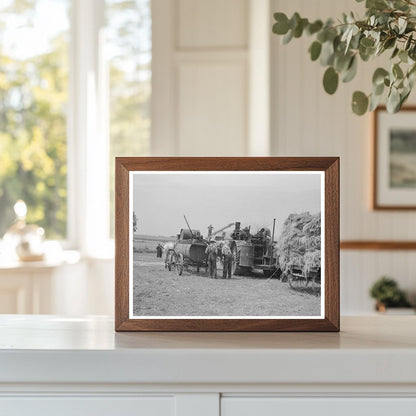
394	184
213	244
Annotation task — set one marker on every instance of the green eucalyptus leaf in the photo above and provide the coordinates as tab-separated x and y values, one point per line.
353	30
403	56
338	44
314	27
294	20
393	101
330	80
400	5
322	36
281	27
382	19
355	41
366	53
397	71
395	52
412	70
411	78
315	50
389	43
379	75
374	101
327	54
346	34
288	37
404	96
359	103
367	42
376	4
351	71
298	30
378	89
341	62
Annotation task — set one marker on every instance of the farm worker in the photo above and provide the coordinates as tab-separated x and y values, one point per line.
211	251
227	256
159	250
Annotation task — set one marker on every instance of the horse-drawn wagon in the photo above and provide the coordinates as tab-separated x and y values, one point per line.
188	251
300	278
299	251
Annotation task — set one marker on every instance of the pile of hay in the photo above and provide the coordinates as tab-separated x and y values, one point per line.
300	242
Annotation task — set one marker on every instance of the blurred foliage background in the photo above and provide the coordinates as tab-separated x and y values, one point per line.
34	91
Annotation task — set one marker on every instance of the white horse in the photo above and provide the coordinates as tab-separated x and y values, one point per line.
167	251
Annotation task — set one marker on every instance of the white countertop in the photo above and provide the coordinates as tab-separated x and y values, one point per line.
52	349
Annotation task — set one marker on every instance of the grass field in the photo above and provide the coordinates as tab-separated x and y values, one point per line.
157	291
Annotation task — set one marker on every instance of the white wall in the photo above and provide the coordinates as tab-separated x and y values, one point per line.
308	122
200	77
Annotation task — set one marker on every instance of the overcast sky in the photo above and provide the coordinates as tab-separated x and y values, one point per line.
161	200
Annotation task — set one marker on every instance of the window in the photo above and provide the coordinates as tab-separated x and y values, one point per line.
33	102
75	87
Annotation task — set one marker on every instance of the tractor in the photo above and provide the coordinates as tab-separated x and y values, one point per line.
251	251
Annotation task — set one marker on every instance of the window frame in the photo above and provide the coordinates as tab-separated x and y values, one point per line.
88	133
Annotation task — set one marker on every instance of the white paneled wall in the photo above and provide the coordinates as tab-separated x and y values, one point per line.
203	67
305	121
212	104
212	24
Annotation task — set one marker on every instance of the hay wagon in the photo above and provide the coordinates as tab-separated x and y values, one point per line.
299	278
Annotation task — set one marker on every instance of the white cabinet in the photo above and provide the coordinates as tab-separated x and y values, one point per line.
79	366
88	406
262	406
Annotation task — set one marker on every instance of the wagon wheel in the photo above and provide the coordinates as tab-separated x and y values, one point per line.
297	282
316	284
179	264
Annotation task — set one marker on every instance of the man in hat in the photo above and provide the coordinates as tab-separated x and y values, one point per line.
227	257
211	252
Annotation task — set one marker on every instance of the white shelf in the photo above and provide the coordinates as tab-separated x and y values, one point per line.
48	349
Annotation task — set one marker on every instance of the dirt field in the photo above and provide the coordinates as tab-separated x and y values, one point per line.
160	292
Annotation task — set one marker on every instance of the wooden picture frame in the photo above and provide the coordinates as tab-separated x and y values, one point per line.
390	190
130	168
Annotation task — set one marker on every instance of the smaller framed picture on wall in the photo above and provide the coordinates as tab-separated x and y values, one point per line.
394	180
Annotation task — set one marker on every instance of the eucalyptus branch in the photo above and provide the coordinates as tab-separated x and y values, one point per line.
389	25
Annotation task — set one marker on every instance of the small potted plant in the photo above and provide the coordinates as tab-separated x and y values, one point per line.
387	294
